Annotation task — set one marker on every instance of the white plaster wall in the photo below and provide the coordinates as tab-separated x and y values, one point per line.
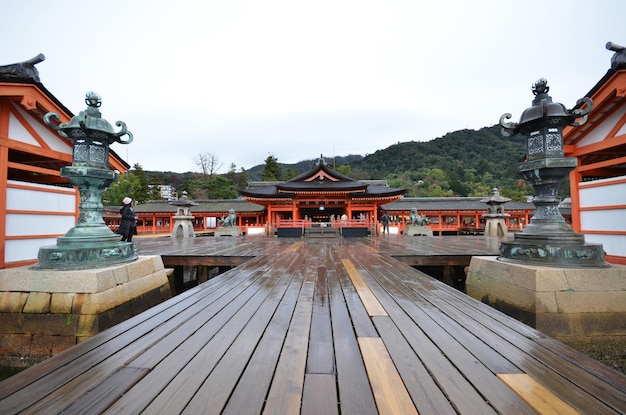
26	224
19	133
608	195
602	129
603	220
31	218
40	200
612	244
25	249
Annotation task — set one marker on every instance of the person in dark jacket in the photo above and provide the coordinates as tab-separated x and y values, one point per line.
385	220
128	225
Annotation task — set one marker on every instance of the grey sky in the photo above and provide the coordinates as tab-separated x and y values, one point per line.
244	79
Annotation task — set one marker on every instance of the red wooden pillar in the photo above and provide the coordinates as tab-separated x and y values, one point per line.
4	160
574	178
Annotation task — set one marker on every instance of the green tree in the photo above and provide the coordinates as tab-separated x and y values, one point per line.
220	188
155	192
345	170
271	170
291	173
133	184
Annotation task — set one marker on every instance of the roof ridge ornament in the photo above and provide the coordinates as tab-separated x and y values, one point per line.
24	69
321	161
619	57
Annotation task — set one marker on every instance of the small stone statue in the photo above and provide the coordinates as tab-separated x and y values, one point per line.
230	220
416	219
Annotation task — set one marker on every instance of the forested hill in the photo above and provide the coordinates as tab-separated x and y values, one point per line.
461	163
485	150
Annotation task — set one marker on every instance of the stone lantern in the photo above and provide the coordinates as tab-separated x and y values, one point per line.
495	219
90	243
183	220
548	239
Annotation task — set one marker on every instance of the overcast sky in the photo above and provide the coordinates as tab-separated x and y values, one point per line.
245	79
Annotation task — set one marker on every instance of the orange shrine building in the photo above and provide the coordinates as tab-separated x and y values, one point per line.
598	183
37	205
323	196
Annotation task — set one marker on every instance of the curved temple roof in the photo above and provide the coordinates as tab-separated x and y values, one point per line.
322	179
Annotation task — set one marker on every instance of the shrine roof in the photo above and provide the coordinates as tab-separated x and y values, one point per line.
206	206
450	203
322	178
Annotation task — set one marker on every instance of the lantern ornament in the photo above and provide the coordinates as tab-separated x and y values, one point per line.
548	239
90	243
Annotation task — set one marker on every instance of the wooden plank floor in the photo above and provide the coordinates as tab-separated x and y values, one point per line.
316	327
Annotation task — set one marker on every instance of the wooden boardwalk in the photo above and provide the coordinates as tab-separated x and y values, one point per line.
317	327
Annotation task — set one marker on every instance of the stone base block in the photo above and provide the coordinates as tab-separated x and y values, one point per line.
559	302
44	312
228	231
414	230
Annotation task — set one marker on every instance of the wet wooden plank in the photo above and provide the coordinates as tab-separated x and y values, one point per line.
248	395
369	300
178	375
389	392
321	356
355	394
361	321
320	395
522	346
285	394
129	339
450	378
541	399
513	341
101	397
424	391
213	393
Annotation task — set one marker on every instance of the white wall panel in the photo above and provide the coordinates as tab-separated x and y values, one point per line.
608	195
19	133
612	244
603	220
601	130
24	249
54	141
23	224
26	199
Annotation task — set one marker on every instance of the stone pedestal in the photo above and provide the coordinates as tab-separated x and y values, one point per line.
560	302
228	231
46	311
183	227
416	230
495	225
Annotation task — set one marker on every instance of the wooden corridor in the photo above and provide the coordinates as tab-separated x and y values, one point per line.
317	327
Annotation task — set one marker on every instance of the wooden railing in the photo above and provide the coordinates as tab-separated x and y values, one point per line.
307	223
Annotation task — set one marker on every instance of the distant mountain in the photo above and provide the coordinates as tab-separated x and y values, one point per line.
305	165
484	150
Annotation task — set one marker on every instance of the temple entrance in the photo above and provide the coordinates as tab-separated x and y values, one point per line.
317	215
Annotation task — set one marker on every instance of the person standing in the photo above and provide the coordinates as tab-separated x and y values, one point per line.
385	220
128	226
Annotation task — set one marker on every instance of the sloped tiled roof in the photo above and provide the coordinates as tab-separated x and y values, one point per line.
450	203
203	206
322	178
